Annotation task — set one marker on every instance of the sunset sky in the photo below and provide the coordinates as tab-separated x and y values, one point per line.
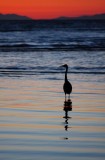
46	9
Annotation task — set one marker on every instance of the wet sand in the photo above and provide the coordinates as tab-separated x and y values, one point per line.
34	124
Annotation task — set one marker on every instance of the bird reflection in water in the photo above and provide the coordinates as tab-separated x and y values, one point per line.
67	88
67	108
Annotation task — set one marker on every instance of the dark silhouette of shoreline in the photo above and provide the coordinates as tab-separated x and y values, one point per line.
13	17
84	17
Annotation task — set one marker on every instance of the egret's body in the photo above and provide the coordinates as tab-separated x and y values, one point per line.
67	87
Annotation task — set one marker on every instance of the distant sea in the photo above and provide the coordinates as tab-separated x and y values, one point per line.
32	120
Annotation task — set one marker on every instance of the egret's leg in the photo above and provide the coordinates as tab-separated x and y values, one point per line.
65	97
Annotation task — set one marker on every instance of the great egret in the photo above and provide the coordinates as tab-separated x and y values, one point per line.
67	87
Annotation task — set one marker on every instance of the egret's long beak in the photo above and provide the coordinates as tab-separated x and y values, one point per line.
62	65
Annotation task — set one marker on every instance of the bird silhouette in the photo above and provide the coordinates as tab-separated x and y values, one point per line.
67	87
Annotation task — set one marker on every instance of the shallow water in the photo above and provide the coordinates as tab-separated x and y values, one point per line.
33	124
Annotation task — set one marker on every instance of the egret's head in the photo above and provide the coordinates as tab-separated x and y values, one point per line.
66	66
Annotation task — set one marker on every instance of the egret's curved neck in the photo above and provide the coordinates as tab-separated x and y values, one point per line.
66	74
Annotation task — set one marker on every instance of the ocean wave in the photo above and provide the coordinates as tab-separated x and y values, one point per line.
16	45
22	73
45	75
49	68
23	47
89	68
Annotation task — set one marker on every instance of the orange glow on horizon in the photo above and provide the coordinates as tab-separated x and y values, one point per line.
40	9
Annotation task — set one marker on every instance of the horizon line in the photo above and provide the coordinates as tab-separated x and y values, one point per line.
58	17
